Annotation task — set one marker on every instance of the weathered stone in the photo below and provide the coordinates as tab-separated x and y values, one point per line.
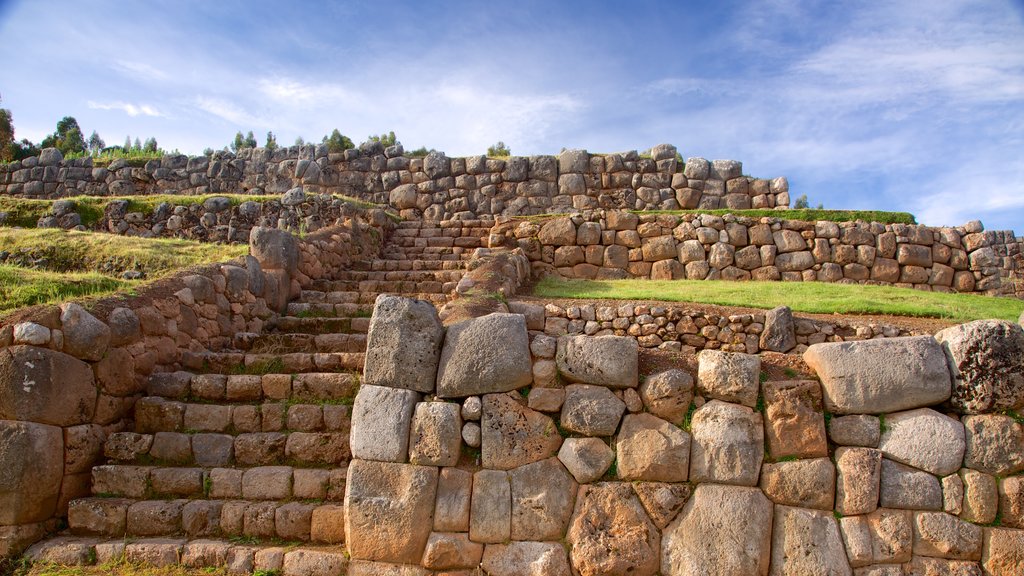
267	483
858	480
557	232
610	533
513	435
156	552
381	418
177	481
668	394
327	524
924	439
274	249
587	459
44	386
201	518
980	496
794	424
661	500
83	446
729	376
435	437
591	410
155	517
854	380
1011	501
727	444
128	481
205	553
127	446
85	337
855	430
546	399
908	488
526	559
389	510
314	563
31	469
806	483
882	536
98	516
451	509
1003	551
721	530
942	535
490	519
451	551
994	444
403	344
807	542
543	494
63	550
650	448
610	361
485	355
779	333
984	358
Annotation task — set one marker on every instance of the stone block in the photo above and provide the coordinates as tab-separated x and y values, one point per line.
292	521
858	480
267	483
485	355
794	424
855	430
806	542
435	437
31	470
381	418
727	444
994	444
591	410
315	563
155	517
610	361
610	532
327	524
490	519
908	488
542	495
881	537
587	459
526	559
729	376
1003	551
513	435
941	535
99	516
668	394
403	344
924	439
128	481
805	483
662	500
389	510
451	509
448	551
45	386
652	449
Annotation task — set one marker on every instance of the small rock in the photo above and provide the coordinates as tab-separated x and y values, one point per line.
729	376
587	459
668	394
591	410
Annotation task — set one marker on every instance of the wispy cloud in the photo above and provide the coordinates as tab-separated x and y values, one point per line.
289	90
139	70
128	108
233	113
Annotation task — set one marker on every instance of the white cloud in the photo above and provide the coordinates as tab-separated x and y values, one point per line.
128	108
233	113
292	91
139	70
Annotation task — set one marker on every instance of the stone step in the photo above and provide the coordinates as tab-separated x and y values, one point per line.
156	415
263	482
384	264
197	551
259	519
290	386
464	242
293	342
318	304
382	286
320	325
260	364
402	275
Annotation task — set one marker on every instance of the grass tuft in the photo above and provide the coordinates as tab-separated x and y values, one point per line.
810	297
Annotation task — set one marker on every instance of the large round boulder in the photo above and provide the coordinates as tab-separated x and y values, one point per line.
986	359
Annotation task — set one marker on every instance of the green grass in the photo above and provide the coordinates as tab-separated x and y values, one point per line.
810	297
89	264
25	212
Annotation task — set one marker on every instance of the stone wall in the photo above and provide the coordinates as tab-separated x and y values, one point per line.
609	244
435	187
70	376
487	444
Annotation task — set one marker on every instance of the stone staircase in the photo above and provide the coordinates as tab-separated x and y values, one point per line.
241	460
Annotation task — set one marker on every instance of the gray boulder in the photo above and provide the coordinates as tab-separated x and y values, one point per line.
403	344
274	249
50	157
880	376
727	445
31	470
985	358
779	333
587	459
41	385
668	394
591	410
924	439
381	418
85	337
611	361
610	532
729	376
485	355
294	197
650	448
807	542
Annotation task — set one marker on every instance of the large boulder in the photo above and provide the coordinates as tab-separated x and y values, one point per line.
41	385
668	394
611	361
31	469
435	437
403	344
881	537
381	418
389	510
794	424
985	358
591	410
587	459
809	483
727	444
924	439
85	337
650	448
558	232
779	334
807	542
543	494
610	533
526	559
880	376
274	249
485	355
994	444
721	530
512	435
490	517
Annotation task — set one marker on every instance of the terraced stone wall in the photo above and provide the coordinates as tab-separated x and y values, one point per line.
490	445
70	376
609	244
435	187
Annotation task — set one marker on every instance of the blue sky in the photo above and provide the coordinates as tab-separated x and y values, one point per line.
915	106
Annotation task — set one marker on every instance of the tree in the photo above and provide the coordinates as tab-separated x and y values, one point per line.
271	142
96	144
24	149
150	145
127	147
300	141
801	202
250	140
137	146
338	142
499	150
67	138
386	140
7	144
238	143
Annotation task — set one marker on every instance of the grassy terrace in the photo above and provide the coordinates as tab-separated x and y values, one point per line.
78	264
26	212
810	297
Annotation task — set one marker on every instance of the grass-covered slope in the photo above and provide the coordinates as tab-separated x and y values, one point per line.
811	297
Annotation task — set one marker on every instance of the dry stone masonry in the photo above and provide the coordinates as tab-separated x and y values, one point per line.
612	244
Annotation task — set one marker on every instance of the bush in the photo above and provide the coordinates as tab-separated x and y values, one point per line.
499	150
